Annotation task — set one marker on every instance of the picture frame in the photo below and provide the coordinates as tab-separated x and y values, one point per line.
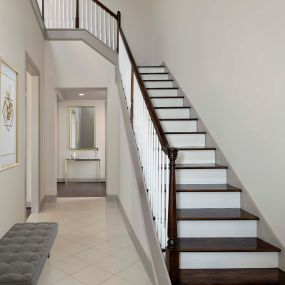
8	116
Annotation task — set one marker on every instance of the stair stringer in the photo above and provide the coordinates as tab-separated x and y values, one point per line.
264	230
158	269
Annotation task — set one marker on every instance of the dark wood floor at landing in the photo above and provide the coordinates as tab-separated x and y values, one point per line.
83	189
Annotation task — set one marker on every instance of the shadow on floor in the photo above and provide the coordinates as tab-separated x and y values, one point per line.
83	189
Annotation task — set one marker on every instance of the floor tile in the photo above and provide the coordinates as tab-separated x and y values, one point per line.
92	275
112	264
73	248
127	254
135	274
69	281
90	241
50	275
116	281
91	256
56	255
71	265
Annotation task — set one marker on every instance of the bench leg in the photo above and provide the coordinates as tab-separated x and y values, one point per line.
48	255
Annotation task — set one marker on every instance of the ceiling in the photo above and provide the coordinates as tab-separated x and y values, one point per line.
90	94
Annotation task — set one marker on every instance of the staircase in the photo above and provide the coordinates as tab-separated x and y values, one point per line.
206	236
217	241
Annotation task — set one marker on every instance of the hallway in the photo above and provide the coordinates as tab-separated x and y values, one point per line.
92	246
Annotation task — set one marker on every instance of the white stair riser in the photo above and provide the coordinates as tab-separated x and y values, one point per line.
198	200
151	69
158	84
222	260
187	140
168	102
216	229
183	113
162	92
179	126
201	176
155	76
196	156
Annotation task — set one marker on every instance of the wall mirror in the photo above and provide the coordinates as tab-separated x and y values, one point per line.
82	127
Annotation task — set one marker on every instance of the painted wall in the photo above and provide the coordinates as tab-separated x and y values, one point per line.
20	33
81	169
76	65
136	23
228	56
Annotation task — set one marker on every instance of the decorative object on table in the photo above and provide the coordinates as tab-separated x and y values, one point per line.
8	116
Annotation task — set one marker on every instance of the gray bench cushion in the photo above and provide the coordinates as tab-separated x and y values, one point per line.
23	252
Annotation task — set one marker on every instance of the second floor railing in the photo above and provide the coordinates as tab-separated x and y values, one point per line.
90	15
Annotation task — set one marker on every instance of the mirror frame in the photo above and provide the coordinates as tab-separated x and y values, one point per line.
69	125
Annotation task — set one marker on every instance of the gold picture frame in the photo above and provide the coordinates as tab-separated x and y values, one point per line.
9	116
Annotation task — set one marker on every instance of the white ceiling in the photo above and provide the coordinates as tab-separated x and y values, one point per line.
90	94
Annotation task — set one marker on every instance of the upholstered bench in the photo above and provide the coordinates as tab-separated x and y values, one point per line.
23	252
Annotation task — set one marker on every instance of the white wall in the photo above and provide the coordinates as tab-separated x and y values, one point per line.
76	65
20	33
136	23
81	169
229	58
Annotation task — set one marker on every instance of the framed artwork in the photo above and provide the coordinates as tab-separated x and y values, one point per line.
8	116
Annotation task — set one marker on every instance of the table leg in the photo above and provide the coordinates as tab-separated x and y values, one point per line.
65	172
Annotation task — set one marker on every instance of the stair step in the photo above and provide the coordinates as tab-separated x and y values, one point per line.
214	214
186	139
201	166
198	253
212	200
155	76
152	69
158	83
188	125
206	188
173	112
258	276
195	155
163	92
225	245
175	101
209	223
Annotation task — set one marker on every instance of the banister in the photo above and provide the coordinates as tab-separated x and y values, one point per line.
105	8
158	128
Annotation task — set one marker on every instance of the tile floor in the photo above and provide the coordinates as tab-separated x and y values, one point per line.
92	246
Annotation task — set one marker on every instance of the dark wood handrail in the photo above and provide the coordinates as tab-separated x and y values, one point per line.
105	8
159	131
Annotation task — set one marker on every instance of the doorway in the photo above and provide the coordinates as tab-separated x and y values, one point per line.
32	138
81	142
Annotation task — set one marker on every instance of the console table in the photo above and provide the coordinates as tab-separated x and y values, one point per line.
67	160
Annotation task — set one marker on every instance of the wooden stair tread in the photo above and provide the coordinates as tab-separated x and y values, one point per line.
151	66
150	73
259	276
225	245
185	133
173	107
230	214
201	166
162	88
206	188
197	148
186	119
166	97
157	80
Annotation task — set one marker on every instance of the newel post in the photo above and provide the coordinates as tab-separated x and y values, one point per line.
172	254
119	27
77	15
